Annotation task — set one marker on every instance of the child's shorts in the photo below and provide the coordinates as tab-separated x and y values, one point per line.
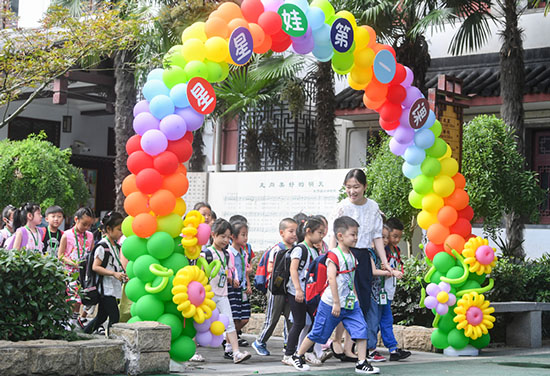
239	308
324	323
223	306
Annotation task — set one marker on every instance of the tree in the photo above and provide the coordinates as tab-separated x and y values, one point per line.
326	147
35	170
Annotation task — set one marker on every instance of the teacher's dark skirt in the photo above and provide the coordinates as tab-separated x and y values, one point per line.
363	278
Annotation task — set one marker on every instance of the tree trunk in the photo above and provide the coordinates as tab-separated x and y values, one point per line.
415	55
512	81
196	163
326	148
125	100
252	155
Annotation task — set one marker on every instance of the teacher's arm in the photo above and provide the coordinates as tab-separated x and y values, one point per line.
379	246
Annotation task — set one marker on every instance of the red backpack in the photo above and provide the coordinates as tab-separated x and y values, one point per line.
317	281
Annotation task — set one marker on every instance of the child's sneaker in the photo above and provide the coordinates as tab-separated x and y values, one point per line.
312	359
375	357
399	354
82	321
239	356
366	368
197	358
260	348
228	355
299	362
287	359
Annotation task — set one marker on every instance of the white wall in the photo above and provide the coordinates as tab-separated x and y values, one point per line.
31	11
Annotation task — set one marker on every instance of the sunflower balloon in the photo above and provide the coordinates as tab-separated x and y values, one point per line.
479	256
193	294
473	314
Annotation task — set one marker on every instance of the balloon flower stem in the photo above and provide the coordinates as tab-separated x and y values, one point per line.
480	290
156	289
435	323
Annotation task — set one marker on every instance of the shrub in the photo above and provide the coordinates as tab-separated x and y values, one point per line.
32	292
258	301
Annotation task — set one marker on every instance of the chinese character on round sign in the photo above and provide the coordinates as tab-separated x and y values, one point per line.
201	95
240	45
419	112
294	20
341	35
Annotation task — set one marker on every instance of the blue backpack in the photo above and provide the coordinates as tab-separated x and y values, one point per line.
261	279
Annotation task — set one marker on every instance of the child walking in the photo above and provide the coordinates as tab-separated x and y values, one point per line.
221	234
27	234
111	271
339	301
6	226
52	236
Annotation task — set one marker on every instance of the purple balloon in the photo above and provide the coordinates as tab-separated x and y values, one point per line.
215	315
203	338
302	38
403	134
413	93
429	121
272	5
304	47
432	289
397	148
409	78
452	300
145	121
216	341
192	118
204	327
174	127
444	286
154	142
430	302
404	118
390	132
141	106
442	309
224	319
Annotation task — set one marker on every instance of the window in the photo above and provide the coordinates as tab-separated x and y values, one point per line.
21	127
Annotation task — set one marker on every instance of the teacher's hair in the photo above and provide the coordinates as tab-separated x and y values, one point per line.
358	174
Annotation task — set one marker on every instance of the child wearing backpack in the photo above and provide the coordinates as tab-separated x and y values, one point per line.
339	301
26	233
276	304
6	226
300	257
109	271
221	234
52	235
74	245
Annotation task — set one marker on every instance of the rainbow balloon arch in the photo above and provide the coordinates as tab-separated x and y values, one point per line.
160	245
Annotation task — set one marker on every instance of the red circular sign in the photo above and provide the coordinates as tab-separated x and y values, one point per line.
201	95
419	112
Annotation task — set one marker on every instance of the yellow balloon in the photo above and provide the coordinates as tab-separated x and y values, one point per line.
443	185
449	166
362	38
217	328
432	202
361	75
348	16
217	49
193	49
194	31
448	153
180	207
364	57
425	219
355	85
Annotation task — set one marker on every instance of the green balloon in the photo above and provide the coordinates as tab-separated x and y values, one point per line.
133	247
446	323
422	184
478	278
170	307
149	308
135	289
173	75
174	322
457	339
439	339
127	227
430	167
175	262
436	277
215	71
454	273
225	70
141	268
325	6
182	349
342	63
415	199
171	223
436	128
443	262
438	149
470	284
196	68
133	310
481	342
130	269
134	319
188	328
160	245
166	294
178	248
174	57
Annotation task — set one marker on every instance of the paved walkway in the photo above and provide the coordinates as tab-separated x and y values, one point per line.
492	361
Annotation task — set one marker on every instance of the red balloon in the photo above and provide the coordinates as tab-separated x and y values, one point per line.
390	111
388	125
271	22
460	181
149	180
400	74
281	46
462	227
133	144
181	148
378	47
166	163
466	213
252	9
432	249
188	137
139	160
279	36
396	94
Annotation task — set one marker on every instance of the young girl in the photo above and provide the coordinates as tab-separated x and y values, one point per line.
312	230
74	244
240	290
26	234
6	226
113	271
322	246
221	233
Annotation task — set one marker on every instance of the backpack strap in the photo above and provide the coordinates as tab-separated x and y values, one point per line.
303	259
208	255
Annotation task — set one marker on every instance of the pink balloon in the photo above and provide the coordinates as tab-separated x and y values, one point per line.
203	233
485	255
203	338
409	78
196	293
413	93
397	148
404	134
141	106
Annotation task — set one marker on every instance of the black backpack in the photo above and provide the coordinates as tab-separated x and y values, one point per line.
91	283
281	269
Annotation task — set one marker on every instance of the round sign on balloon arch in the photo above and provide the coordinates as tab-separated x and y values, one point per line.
161	243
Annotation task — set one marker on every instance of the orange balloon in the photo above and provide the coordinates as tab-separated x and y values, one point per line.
136	203
371	104
447	216
216	27
176	183
437	233
454	241
375	90
144	225
180	207
265	46
162	202
182	169
129	185
458	199
237	22
258	34
229	11
372	35
460	181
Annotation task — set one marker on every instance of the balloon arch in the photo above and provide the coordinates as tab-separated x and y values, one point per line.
159	244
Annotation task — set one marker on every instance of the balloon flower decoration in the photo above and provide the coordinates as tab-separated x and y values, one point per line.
177	97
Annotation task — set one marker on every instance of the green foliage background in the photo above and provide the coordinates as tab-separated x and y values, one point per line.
34	170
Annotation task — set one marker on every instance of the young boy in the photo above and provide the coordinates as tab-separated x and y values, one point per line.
52	237
380	315
276	304
339	300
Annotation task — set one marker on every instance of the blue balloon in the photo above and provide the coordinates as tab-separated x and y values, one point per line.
414	155
178	94
315	17
429	121
411	171
302	4
161	106
321	36
424	138
323	53
155	74
153	88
